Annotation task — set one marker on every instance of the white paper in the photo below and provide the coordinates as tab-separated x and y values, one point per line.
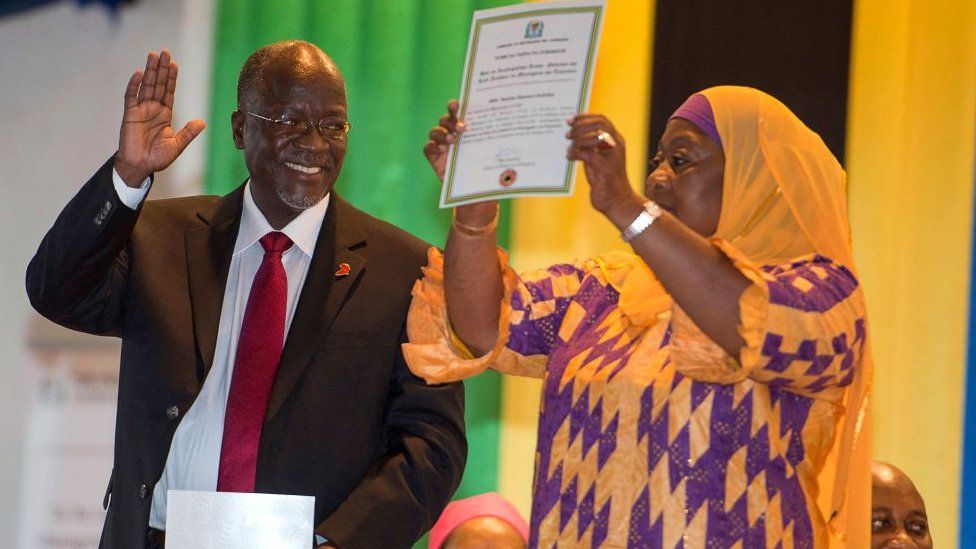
227	520
529	67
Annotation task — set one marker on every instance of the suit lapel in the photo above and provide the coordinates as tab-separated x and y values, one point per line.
209	249
322	297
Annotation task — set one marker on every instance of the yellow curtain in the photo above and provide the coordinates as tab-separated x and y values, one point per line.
548	230
911	126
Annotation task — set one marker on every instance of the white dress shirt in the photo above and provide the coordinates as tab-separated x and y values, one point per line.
194	455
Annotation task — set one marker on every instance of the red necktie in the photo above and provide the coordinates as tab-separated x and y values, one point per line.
258	352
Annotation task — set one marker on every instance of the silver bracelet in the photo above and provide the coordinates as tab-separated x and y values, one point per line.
640	224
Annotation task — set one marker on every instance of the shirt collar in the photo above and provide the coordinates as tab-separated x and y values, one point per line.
303	230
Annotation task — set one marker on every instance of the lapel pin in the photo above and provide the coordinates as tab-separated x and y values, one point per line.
343	270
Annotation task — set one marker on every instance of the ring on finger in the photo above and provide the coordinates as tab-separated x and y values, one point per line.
605	140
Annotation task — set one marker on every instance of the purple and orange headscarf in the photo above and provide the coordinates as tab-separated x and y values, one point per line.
697	110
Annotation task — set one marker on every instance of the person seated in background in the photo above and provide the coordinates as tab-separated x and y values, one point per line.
480	522
898	517
694	386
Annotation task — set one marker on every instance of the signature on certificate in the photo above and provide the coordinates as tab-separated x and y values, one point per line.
508	155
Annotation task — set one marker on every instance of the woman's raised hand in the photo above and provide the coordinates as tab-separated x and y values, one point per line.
441	137
147	142
595	142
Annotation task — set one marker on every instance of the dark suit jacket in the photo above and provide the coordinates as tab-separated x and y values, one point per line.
380	450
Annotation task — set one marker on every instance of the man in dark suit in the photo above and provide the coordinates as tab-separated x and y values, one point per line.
260	331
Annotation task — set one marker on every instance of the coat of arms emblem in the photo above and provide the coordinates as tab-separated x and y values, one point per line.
533	29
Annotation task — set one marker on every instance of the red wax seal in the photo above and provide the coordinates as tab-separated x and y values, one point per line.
507	178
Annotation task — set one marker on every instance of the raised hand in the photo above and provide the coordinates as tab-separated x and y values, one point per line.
440	138
147	142
595	142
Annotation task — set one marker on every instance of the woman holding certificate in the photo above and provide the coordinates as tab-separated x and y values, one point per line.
705	389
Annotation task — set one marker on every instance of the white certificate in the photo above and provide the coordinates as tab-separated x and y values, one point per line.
228	520
529	67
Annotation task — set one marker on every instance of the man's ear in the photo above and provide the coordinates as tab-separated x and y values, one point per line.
237	128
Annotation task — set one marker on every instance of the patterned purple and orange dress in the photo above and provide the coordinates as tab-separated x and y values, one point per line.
650	435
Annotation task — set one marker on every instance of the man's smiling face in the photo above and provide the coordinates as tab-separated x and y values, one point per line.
293	168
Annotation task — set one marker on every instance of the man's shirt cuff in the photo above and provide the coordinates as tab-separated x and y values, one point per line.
129	196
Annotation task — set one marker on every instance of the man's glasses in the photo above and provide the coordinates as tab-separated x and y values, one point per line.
333	127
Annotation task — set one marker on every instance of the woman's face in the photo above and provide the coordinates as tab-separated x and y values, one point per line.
686	176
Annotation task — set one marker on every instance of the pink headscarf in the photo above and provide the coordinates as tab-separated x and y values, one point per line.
483	505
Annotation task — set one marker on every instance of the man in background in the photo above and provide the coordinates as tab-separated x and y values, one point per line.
898	518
